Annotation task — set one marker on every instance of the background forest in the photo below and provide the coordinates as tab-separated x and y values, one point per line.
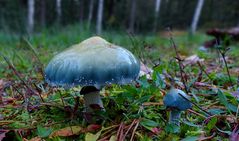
139	16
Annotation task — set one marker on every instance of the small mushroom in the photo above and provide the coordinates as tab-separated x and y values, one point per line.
92	64
175	100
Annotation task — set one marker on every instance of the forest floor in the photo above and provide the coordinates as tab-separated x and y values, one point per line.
32	110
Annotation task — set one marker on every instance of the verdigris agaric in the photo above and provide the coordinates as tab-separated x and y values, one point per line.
175	100
92	64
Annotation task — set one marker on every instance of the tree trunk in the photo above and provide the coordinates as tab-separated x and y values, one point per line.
91	8
99	17
132	16
43	13
196	16
58	11
80	5
157	6
30	17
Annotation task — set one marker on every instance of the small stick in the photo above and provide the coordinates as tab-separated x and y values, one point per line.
207	138
109	129
135	128
33	50
121	133
237	111
131	125
119	130
195	105
196	113
77	100
200	66
227	69
179	60
14	70
62	100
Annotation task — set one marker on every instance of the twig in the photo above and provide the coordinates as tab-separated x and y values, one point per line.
109	129
77	100
33	50
207	138
179	60
227	69
135	128
26	99
195	105
118	132
22	95
223	54
106	137
131	125
237	111
200	66
15	71
196	113
62	100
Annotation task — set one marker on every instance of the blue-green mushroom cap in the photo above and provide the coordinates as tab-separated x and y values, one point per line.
174	100
93	62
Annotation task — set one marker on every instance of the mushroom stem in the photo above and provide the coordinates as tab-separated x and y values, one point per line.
174	117
91	98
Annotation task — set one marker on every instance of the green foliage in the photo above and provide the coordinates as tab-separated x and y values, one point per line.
211	124
43	132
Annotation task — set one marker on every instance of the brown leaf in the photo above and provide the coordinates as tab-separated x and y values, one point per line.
93	127
34	139
191	60
68	131
3	133
2	83
145	70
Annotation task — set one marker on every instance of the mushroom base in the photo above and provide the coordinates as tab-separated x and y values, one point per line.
174	117
92	99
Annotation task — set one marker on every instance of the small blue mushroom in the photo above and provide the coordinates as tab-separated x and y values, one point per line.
92	64
175	101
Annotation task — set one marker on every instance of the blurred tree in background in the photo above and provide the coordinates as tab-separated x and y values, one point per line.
138	16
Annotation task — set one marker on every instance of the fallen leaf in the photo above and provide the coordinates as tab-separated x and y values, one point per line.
68	131
235	94
92	137
113	138
156	130
93	127
3	133
191	60
145	70
202	84
235	134
34	139
2	83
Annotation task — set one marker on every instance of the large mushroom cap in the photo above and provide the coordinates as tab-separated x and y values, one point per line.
173	99
93	62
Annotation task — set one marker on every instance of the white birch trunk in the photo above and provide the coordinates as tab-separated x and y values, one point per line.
30	17
91	8
196	16
58	11
157	7
99	17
